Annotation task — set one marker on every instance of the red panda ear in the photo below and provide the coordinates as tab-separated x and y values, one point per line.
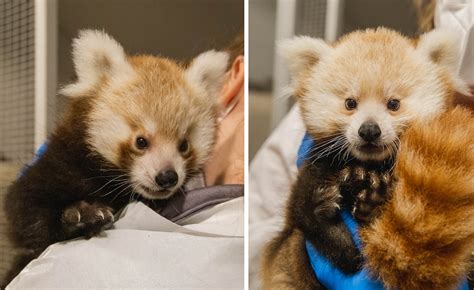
441	47
96	55
302	53
207	73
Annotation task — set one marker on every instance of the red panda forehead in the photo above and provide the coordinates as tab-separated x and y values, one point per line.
158	76
365	56
375	37
160	122
374	46
370	73
150	65
160	95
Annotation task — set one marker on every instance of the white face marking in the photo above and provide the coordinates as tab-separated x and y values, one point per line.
324	111
151	96
157	158
150	126
373	65
376	112
107	130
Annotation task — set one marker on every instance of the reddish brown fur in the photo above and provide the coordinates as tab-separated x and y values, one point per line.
432	203
65	194
425	236
285	264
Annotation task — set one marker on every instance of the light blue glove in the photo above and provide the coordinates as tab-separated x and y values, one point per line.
327	274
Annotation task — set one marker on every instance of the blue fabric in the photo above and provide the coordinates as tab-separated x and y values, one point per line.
333	278
304	150
39	152
330	276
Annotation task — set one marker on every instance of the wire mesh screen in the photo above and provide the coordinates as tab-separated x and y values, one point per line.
16	80
311	18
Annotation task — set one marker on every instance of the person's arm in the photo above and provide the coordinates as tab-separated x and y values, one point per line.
272	171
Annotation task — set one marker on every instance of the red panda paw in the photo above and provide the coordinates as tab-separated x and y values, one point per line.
87	219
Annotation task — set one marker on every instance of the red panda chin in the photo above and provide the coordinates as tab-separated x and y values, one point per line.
149	193
370	152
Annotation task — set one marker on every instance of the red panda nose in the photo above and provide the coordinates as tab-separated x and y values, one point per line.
167	178
369	131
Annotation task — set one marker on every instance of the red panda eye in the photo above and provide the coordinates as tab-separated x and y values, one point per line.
183	146
393	105
141	143
351	104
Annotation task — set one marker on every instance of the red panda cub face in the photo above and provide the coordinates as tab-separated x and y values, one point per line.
149	116
364	90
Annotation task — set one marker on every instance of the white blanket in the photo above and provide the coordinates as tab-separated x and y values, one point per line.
146	250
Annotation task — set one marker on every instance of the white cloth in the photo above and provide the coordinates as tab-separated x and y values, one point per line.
272	171
458	16
146	250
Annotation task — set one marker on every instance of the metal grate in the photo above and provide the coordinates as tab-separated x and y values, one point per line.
17	80
311	18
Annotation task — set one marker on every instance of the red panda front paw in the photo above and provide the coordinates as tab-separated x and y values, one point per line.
87	219
370	189
369	202
349	260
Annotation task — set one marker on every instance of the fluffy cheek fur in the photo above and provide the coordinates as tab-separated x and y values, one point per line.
106	131
325	114
322	115
377	113
144	168
326	117
202	137
151	97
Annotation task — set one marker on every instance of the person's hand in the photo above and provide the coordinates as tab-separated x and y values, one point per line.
328	275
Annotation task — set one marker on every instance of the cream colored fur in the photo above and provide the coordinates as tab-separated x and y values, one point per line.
151	97
372	67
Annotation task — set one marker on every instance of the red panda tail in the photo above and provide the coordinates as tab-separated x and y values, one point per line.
425	235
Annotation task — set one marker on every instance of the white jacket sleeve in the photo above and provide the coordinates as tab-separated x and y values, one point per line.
272	172
458	16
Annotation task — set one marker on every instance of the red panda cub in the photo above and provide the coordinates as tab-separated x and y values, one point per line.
357	97
136	127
